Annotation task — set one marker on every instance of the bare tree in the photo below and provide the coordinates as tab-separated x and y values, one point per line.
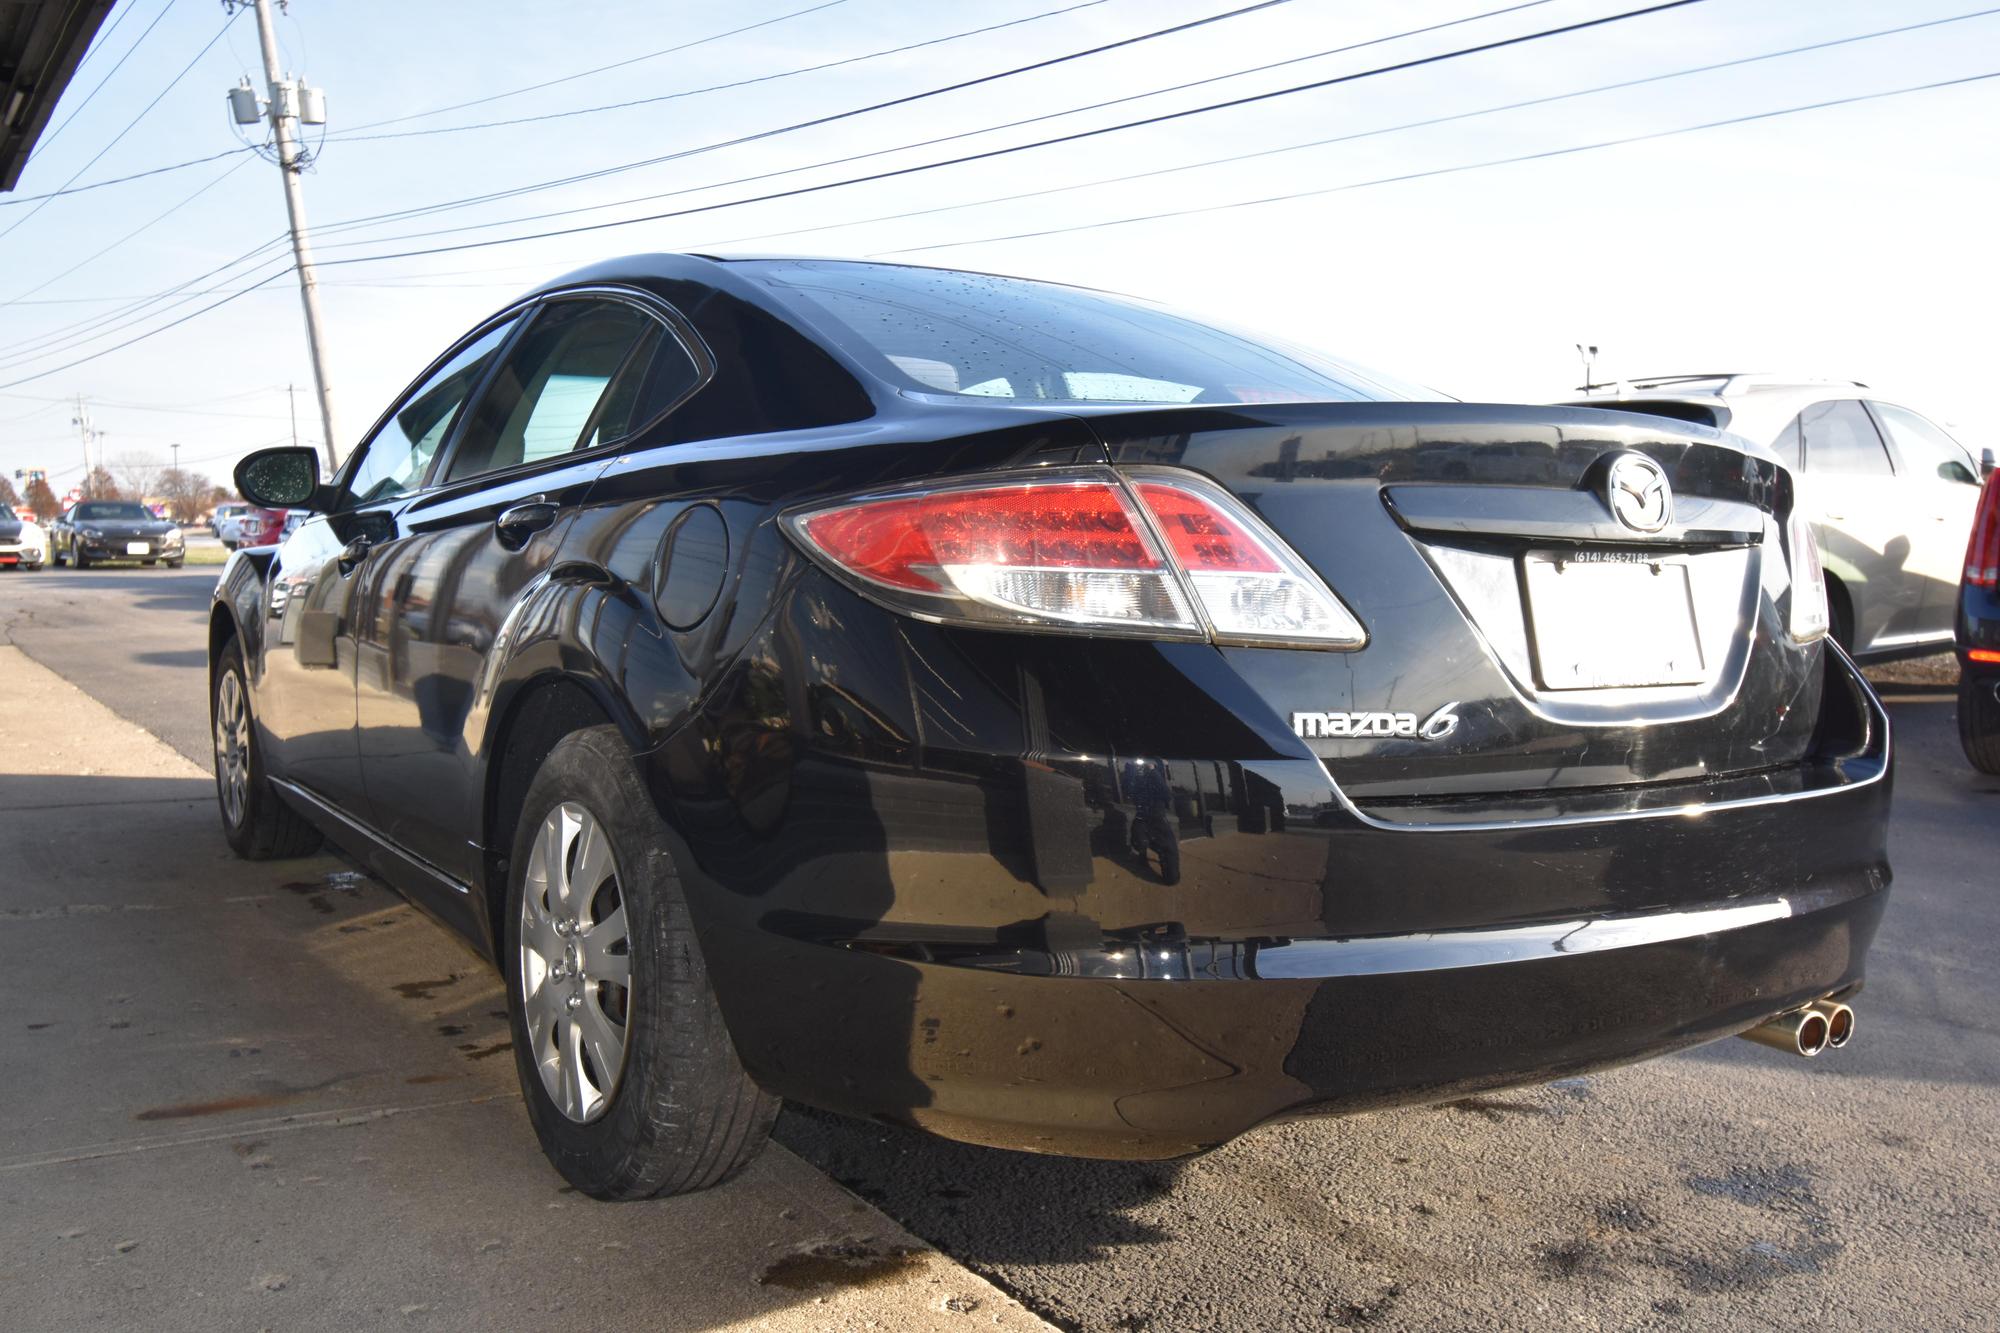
98	484
189	495
138	474
8	499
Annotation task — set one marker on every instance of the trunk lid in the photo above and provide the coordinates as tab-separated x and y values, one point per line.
1530	625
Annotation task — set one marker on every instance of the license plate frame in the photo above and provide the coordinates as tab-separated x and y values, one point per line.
1604	621
138	548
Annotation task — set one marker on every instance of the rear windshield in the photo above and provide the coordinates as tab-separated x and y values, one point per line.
112	509
974	335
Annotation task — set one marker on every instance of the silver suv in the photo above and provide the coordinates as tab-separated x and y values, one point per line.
1890	494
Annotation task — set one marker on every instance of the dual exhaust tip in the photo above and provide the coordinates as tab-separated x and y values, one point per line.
1821	1025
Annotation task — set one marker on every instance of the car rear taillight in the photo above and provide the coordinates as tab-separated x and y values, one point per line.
1809	618
1982	553
1159	554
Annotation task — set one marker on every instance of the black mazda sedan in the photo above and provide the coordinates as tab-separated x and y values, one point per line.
1038	717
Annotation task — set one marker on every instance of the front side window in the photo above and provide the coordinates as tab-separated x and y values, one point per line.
581	376
394	461
1925	449
938	331
1841	439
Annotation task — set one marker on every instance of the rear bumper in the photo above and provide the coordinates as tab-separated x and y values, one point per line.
993	961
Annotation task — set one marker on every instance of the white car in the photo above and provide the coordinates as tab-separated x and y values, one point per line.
227	522
1890	494
23	544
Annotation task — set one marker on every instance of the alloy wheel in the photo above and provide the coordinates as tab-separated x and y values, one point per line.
232	746
576	969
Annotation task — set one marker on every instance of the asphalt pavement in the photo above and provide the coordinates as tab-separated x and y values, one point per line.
1726	1186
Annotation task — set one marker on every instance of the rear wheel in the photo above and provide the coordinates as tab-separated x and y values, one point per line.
81	560
255	819
1979	720
630	1077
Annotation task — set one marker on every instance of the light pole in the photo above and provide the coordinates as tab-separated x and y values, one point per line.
292	103
1587	353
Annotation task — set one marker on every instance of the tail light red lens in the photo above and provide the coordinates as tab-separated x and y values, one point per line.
1165	556
1982	553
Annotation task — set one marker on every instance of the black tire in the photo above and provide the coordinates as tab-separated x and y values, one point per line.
265	829
173	564
1979	720
79	559
683	1115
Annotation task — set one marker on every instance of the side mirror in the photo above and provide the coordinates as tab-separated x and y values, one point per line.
286	477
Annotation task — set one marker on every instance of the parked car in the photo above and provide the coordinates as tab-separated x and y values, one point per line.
1890	493
219	522
95	532
23	544
1038	717
1979	636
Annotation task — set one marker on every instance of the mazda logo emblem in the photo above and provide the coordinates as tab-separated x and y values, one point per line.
1636	489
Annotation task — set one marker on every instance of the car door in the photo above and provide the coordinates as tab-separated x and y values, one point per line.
1944	481
305	676
575	381
1863	516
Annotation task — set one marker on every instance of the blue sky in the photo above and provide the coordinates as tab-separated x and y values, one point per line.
1853	241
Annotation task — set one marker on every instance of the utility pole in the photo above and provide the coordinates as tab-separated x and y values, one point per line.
1587	353
89	433
290	103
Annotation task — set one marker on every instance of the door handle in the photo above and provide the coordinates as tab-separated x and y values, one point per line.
353	554
515	525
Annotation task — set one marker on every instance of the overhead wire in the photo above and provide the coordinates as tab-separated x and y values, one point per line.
355	136
77	110
1454	170
601	69
119	137
1360	134
140	230
1073	137
828	119
933	141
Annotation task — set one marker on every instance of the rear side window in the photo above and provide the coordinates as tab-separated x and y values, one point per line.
1841	439
553	392
1789	445
940	331
1925	450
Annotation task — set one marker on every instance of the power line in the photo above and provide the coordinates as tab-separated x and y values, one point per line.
44	374
116	138
601	69
121	180
1162	118
905	100
85	329
1359	134
1449	171
353	136
937	139
55	133
103	39
142	228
